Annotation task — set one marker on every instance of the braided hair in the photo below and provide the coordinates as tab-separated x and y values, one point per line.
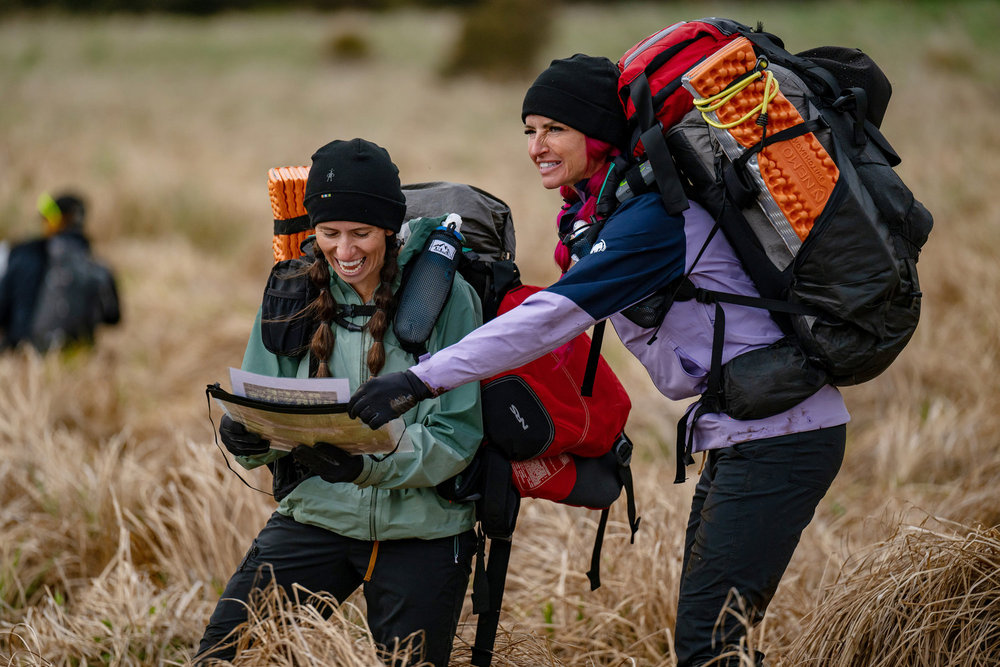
324	308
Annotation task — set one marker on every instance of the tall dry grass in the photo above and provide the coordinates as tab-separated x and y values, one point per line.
923	596
119	520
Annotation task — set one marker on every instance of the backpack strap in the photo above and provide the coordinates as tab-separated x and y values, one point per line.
623	452
739	186
593	358
713	399
494	577
352	310
497	511
655	145
774	49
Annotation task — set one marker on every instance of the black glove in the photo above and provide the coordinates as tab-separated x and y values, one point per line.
239	441
386	397
331	463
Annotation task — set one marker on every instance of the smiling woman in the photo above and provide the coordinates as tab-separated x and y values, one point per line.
558	151
574	147
346	521
356	251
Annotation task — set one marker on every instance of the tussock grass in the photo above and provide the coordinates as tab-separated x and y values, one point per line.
119	520
923	597
305	628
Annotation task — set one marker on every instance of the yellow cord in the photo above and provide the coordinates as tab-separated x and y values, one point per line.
709	104
371	561
704	458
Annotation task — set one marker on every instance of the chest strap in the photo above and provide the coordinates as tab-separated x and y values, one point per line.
352	310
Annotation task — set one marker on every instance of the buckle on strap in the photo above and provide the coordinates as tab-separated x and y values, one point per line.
623	449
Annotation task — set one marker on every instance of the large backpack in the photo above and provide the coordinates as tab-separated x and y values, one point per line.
786	154
77	294
562	441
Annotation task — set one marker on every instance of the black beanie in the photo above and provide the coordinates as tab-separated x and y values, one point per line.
354	180
582	92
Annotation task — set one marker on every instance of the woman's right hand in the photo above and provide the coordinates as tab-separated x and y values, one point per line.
386	397
239	441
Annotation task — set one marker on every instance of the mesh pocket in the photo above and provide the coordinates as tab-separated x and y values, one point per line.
284	326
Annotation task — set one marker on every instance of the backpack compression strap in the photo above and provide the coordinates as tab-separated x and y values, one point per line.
623	451
497	512
713	400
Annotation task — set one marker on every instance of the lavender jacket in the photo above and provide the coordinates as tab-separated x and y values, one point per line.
641	249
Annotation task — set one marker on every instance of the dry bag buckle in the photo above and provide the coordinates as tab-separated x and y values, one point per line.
623	449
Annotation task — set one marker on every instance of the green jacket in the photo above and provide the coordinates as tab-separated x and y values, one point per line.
394	496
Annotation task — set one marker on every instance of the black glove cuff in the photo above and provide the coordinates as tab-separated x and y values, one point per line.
420	390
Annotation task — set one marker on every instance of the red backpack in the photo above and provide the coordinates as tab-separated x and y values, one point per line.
549	406
555	427
651	71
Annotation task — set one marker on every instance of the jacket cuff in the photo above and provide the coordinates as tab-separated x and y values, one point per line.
365	478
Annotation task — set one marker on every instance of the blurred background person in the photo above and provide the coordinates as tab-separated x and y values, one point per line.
53	291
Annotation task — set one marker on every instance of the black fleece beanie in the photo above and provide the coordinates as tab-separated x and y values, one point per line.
582	92
354	180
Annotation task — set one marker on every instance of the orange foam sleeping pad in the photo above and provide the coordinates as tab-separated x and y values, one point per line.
286	187
799	173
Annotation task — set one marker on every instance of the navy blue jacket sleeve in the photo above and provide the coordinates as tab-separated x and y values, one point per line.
640	250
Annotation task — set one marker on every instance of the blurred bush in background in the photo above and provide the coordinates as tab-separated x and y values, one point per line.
214	6
501	39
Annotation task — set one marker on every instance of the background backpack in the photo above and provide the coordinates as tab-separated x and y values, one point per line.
554	430
77	294
786	154
549	406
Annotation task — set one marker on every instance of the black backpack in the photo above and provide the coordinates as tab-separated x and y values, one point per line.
77	294
838	273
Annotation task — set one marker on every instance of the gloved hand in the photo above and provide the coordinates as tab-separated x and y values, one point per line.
331	463
239	441
386	397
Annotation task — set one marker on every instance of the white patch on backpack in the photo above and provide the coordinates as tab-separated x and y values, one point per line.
600	246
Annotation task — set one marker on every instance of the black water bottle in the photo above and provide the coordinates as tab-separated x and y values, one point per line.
427	286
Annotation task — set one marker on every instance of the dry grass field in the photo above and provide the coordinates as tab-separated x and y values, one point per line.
119	520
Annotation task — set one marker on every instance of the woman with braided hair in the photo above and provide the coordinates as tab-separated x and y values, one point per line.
345	520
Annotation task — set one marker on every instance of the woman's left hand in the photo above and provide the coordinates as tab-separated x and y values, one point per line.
331	463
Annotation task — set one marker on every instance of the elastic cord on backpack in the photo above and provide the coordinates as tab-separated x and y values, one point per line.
714	102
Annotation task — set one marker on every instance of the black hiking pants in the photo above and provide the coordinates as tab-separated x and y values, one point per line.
409	585
750	506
